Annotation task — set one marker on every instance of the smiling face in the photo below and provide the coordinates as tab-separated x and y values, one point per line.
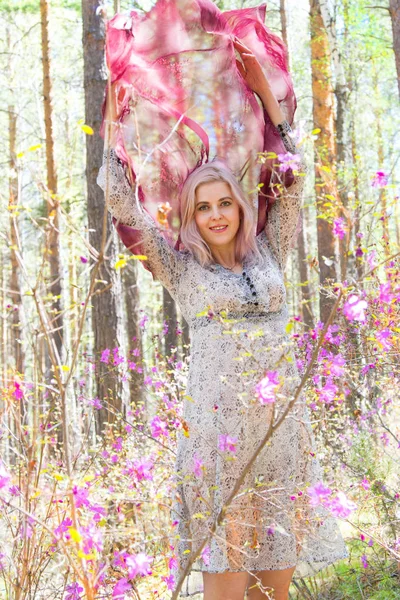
217	214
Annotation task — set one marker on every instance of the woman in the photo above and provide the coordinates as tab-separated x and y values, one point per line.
229	286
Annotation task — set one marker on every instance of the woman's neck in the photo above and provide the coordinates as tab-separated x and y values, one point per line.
226	257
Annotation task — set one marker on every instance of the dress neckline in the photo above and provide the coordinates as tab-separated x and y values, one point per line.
225	271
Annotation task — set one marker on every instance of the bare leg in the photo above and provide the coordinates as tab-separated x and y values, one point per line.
276	584
225	586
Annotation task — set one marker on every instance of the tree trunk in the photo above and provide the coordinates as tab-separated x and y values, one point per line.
306	308
282	14
381	159
394	7
323	117
15	287
106	301
132	299
53	239
171	320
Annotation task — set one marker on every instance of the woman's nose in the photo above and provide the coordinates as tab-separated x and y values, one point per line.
215	212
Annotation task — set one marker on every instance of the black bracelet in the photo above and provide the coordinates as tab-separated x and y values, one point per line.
284	131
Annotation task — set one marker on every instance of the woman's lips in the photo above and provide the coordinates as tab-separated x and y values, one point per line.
219	230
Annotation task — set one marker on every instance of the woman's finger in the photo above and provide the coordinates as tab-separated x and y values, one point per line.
237	42
241	69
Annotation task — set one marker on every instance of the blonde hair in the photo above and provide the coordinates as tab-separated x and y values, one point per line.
246	245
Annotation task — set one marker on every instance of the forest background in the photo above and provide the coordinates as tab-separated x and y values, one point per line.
94	354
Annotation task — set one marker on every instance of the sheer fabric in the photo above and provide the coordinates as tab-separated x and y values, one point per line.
179	99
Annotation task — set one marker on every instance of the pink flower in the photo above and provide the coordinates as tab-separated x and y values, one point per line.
5	477
83	259
141	469
18	393
158	427
354	308
121	587
227	443
385	294
143	321
205	555
197	467
118	359
73	591
105	356
80	496
365	484
364	561
339	228
92	538
95	402
170	581
265	389
318	494
337	365
379	180
341	506
138	564
288	161
63	528
382	337
328	392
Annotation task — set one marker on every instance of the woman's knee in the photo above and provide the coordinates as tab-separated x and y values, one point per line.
225	586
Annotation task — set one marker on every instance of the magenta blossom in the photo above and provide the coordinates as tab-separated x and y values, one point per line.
328	392
121	587
364	561
318	494
95	402
5	477
205	555
379	180
365	484
138	564
80	496
341	506
227	443
105	356
385	294
288	161
143	321
383	338
18	393
73	591
170	581
158	427
354	308
339	227
336	366
266	389
197	466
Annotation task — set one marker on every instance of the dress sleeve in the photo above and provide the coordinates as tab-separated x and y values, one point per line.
165	263
284	215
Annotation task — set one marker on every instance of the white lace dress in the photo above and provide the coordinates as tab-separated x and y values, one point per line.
269	524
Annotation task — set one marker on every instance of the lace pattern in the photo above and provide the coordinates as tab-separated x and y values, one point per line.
270	524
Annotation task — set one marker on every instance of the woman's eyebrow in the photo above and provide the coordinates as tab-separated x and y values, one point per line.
219	200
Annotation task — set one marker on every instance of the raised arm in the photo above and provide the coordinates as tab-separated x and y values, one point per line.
283	216
165	263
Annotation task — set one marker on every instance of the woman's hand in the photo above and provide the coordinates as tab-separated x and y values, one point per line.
250	70
253	75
